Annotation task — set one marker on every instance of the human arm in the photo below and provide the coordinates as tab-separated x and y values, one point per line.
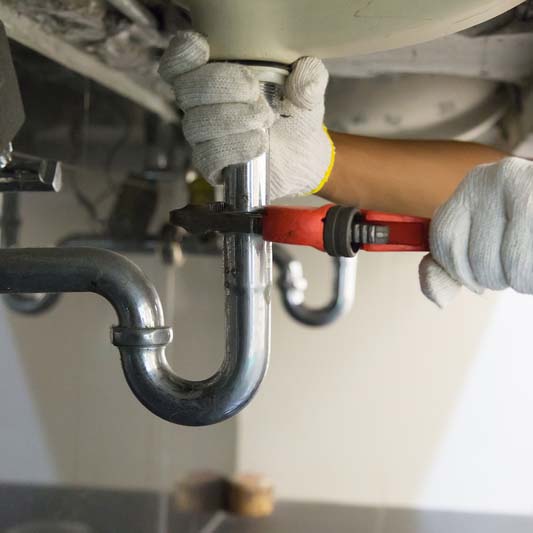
481	202
481	235
400	176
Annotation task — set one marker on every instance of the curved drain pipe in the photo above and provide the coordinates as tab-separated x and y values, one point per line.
27	304
30	304
292	285
141	335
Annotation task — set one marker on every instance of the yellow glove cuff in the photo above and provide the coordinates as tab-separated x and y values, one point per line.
325	179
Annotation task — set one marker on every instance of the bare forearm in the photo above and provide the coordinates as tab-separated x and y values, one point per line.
400	176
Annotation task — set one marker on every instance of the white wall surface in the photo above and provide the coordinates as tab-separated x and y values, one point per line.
66	412
399	403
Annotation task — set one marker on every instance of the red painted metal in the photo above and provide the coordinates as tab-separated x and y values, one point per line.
295	225
304	226
406	233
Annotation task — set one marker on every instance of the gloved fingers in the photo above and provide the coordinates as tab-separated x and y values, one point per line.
435	283
485	249
517	247
210	157
306	84
516	175
216	83
517	252
449	242
207	122
187	51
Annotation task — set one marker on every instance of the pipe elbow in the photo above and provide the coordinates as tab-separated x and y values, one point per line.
230	389
34	304
292	285
142	336
180	401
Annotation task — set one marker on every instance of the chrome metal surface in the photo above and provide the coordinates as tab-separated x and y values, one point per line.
367	233
27	304
126	336
30	304
248	286
292	285
247	282
141	333
32	174
120	281
6	155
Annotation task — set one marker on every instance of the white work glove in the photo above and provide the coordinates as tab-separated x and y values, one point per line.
226	117
482	237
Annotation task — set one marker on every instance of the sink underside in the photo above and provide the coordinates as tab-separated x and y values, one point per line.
283	30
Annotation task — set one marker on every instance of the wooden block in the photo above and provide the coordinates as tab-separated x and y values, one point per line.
250	495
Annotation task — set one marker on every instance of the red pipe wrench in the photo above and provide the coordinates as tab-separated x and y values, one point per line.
340	231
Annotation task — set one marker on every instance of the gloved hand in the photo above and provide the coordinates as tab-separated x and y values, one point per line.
226	117
482	237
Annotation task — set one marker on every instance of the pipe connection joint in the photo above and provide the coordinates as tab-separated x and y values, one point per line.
141	337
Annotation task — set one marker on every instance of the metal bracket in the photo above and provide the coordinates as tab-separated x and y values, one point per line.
26	173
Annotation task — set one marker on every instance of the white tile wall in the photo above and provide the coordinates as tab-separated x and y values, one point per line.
399	403
66	413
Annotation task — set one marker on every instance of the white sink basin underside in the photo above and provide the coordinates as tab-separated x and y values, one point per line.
283	30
